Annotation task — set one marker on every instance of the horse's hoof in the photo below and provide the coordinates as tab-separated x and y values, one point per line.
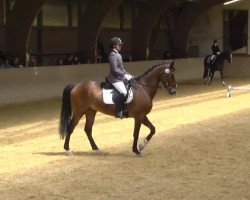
228	95
69	153
99	152
139	155
140	147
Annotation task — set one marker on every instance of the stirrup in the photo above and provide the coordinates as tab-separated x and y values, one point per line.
122	114
119	115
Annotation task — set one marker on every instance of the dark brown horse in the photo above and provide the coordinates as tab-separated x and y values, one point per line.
86	98
217	65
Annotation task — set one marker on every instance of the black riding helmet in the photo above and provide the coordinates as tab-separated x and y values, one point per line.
115	41
215	41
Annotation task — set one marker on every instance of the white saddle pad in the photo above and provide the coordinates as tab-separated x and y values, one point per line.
107	96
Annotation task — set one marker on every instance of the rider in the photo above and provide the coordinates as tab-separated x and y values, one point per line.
117	75
216	50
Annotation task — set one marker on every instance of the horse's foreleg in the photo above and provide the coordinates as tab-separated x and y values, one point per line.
222	78
211	77
148	124
137	127
90	118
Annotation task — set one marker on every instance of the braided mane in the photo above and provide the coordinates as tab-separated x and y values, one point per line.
149	70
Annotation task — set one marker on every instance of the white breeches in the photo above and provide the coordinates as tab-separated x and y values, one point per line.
120	87
212	57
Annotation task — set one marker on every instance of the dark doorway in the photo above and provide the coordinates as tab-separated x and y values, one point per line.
235	29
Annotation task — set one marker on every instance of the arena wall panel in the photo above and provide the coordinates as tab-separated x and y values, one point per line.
18	85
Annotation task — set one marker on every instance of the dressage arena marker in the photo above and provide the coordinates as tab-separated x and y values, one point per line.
230	87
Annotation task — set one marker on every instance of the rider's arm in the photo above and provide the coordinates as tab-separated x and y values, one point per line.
113	61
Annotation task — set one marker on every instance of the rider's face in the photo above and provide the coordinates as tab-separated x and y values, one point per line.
118	47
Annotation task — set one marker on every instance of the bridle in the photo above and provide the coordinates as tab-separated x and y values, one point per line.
167	73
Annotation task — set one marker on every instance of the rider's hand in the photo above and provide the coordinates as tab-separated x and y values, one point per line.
128	77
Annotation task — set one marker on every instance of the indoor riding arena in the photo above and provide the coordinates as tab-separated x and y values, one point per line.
201	148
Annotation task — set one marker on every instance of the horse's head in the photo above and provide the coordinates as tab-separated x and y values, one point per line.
167	78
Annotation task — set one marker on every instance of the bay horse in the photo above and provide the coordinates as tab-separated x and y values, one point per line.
86	98
218	65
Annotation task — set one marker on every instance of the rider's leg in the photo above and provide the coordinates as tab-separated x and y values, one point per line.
213	58
120	105
121	88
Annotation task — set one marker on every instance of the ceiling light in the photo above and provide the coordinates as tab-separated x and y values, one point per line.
229	2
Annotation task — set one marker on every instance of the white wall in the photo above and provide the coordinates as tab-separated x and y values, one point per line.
205	29
210	26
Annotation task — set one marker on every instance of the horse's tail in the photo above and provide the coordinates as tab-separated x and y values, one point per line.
206	67
65	111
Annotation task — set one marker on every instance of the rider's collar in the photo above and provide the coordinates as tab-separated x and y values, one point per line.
115	50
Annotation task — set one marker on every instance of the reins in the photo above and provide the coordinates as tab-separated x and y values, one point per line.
154	86
160	86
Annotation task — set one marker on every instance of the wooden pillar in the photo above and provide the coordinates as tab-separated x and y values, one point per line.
88	36
70	15
169	20
18	25
121	16
7	7
248	40
2	12
40	37
143	25
153	35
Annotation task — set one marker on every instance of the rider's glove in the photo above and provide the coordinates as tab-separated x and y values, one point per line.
128	77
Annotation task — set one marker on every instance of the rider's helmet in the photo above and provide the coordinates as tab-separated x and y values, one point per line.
115	41
215	41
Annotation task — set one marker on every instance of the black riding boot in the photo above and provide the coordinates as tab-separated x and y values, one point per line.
121	111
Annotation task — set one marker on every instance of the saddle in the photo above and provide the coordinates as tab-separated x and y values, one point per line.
112	96
211	59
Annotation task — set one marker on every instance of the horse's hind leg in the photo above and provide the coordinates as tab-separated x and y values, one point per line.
148	124
90	118
74	121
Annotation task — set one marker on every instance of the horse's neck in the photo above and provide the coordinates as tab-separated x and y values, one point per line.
222	58
150	82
